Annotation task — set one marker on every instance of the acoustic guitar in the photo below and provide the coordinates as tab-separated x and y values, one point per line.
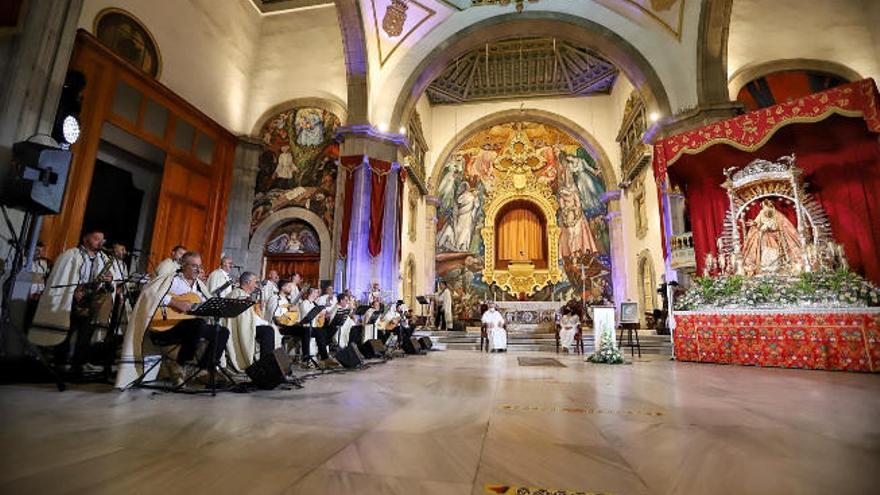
166	317
388	326
288	319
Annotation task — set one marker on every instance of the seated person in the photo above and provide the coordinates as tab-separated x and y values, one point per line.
390	321
406	321
370	325
569	324
495	331
249	328
201	343
341	318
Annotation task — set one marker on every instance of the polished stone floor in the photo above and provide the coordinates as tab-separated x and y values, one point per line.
452	423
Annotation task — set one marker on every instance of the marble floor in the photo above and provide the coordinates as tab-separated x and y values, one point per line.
454	422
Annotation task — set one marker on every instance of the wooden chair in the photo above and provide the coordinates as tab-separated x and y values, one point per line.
484	338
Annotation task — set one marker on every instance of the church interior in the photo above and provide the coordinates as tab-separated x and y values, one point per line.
440	246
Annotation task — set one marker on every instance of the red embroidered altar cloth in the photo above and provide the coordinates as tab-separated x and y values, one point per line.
845	340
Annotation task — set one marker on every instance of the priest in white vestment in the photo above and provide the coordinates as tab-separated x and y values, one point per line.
443	300
220	277
569	324
268	291
495	331
171	264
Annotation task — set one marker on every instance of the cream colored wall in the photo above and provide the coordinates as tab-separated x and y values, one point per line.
233	63
207	52
422	249
841	31
299	55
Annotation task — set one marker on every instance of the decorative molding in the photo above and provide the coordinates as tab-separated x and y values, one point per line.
635	154
383	57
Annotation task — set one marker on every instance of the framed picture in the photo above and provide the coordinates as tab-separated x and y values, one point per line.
629	312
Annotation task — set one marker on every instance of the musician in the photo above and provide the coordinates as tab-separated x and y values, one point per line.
370	328
171	264
495	331
118	308
406	321
342	310
40	267
443	299
220	277
313	329
390	320
249	328
328	298
269	288
65	310
375	293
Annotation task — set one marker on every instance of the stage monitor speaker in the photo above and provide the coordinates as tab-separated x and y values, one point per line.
40	178
426	343
372	349
269	372
350	357
411	346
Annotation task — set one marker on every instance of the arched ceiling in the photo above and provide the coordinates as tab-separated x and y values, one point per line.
652	42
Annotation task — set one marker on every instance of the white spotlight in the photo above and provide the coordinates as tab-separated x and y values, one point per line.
383	127
403	130
654	117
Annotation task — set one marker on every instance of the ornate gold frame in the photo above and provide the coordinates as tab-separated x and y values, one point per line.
516	181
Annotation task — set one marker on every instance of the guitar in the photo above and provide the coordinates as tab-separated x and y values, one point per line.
166	317
389	325
289	318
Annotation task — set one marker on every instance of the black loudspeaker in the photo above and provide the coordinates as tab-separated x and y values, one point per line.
350	357
40	178
372	349
269	372
426	343
411	346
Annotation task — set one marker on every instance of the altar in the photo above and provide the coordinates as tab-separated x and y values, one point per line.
840	339
530	316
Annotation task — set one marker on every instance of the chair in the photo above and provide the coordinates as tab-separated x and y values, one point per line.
484	338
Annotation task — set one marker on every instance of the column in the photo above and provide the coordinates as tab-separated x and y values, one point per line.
236	237
614	221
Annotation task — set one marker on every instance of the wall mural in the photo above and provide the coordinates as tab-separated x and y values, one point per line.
298	164
294	237
569	170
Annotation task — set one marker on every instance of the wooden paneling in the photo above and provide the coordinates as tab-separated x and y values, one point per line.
307	265
192	202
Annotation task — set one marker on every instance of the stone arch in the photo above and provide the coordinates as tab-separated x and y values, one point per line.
646	273
537	23
267	226
712	51
334	106
751	72
356	60
533	115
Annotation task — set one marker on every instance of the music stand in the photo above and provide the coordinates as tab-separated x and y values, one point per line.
423	302
216	308
362	310
306	321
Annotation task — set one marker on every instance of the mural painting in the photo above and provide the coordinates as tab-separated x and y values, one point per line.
295	237
298	164
569	170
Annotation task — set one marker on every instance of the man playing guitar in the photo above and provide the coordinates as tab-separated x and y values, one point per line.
201	343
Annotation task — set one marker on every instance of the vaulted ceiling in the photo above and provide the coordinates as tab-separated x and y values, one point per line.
521	68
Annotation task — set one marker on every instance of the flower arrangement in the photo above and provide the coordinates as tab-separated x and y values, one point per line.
608	352
824	289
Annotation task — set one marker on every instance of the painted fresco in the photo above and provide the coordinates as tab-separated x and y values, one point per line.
298	164
294	237
570	171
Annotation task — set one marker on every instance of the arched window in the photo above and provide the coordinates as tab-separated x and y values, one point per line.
785	85
128	38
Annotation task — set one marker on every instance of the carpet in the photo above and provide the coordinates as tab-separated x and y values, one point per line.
532	361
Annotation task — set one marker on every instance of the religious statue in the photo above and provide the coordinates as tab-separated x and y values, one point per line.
772	243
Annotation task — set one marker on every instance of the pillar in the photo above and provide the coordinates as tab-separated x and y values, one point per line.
245	165
614	221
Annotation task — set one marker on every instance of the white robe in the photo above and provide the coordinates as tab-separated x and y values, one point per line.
52	319
465	210
39	273
494	323
241	348
166	267
568	328
444	299
216	280
134	345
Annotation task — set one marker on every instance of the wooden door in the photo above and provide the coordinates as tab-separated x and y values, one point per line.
183	212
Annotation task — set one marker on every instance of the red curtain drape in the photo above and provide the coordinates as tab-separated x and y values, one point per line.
349	165
379	170
840	158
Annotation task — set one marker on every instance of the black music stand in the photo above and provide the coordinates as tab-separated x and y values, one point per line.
307	321
424	302
216	308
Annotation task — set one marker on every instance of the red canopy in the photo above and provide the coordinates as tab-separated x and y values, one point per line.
834	135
